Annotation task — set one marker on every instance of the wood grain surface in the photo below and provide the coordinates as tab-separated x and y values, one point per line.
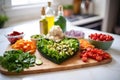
48	66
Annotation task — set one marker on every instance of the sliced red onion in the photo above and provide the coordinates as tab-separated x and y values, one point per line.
75	33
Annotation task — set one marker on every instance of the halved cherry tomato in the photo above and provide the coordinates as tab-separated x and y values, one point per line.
94	53
84	59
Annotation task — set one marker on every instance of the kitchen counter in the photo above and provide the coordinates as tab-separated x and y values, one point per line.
110	71
82	21
87	21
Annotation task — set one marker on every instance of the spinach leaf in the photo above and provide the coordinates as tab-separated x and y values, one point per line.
17	60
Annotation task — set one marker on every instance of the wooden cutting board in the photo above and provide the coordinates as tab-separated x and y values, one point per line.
48	66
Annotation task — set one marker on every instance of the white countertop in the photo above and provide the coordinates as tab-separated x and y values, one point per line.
110	71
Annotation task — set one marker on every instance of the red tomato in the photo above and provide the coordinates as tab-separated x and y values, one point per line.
90	54
106	55
85	55
101	37
94	53
99	58
94	56
84	59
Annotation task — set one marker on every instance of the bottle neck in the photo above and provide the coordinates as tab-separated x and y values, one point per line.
49	4
42	16
43	13
50	11
60	10
60	13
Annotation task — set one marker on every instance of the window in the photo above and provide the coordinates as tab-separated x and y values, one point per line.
27	2
19	3
20	10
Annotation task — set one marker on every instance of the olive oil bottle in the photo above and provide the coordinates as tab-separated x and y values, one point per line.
43	22
50	16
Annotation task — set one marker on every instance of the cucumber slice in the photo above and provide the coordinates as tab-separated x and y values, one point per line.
38	62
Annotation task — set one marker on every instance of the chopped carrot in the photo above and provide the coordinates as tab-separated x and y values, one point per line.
84	44
25	45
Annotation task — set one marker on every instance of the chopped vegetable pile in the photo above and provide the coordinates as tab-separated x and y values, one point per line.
58	51
54	46
17	60
36	36
55	33
25	46
94	53
84	44
75	34
101	37
14	36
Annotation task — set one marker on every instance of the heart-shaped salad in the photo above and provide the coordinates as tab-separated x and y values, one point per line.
58	52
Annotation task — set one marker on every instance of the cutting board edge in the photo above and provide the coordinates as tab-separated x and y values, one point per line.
55	69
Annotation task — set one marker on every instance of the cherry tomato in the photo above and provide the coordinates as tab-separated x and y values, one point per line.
101	37
84	59
99	58
90	54
94	53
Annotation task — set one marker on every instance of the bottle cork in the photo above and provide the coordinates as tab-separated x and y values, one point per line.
60	8
49	4
43	11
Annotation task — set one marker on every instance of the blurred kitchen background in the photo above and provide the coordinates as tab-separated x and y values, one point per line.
103	15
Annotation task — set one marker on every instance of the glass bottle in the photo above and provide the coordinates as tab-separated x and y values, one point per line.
87	7
60	20
50	16
76	6
43	22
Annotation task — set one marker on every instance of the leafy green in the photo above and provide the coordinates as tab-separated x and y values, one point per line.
61	21
3	19
17	60
58	51
67	7
37	36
